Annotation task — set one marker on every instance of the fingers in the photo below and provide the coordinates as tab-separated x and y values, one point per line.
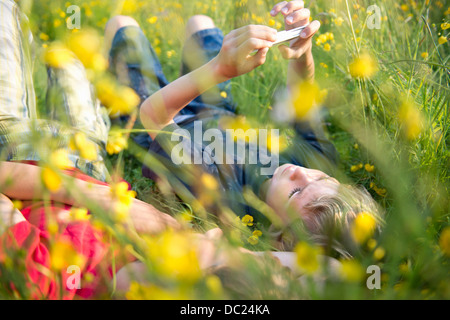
287	8
298	18
255	32
310	30
260	57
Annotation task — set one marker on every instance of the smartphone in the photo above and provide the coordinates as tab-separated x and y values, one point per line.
288	35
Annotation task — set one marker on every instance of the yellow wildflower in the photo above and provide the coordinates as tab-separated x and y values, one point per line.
338	21
118	99
51	179
411	119
356	167
306	97
58	56
363	227
152	20
326	47
79	214
363	66
172	256
369	168
43	36
424	55
84	146
257	233
63	255
445	26
60	159
444	241
379	253
308	257
223	94
253	240
116	142
351	270
442	40
247	220
138	291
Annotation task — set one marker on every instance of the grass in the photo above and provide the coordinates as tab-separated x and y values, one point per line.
410	174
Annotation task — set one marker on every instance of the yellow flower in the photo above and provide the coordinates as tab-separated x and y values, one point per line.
351	270
51	179
223	94
404	7
63	255
152	20
363	66
116	142
326	47
52	227
79	214
214	284
363	227
84	146
356	167
43	36
140	291
379	253
308	257
411	120
120	192
86	45
444	241
257	233
17	204
322	38
369	168
305	98
442	40
173	256
60	159
240	128
118	99
58	56
209	181
247	220
276	143
445	26
338	21
253	240
424	55
271	22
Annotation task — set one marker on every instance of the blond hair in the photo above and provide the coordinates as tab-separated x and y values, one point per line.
330	219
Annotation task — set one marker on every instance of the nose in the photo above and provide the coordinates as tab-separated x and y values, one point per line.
299	174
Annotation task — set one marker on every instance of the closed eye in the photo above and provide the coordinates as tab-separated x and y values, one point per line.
295	191
300	190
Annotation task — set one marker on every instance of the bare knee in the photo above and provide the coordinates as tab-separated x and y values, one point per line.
197	23
115	23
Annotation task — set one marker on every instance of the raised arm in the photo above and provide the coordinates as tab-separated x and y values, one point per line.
235	58
301	62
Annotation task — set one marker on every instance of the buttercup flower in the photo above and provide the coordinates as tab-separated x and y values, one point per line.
308	257
363	227
247	220
364	66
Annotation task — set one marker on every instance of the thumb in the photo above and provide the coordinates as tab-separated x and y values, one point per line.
287	52
260	57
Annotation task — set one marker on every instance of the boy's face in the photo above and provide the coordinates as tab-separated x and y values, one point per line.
293	187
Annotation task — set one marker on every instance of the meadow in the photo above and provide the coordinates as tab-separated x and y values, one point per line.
383	78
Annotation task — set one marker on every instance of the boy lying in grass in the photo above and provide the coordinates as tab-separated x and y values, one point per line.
301	188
